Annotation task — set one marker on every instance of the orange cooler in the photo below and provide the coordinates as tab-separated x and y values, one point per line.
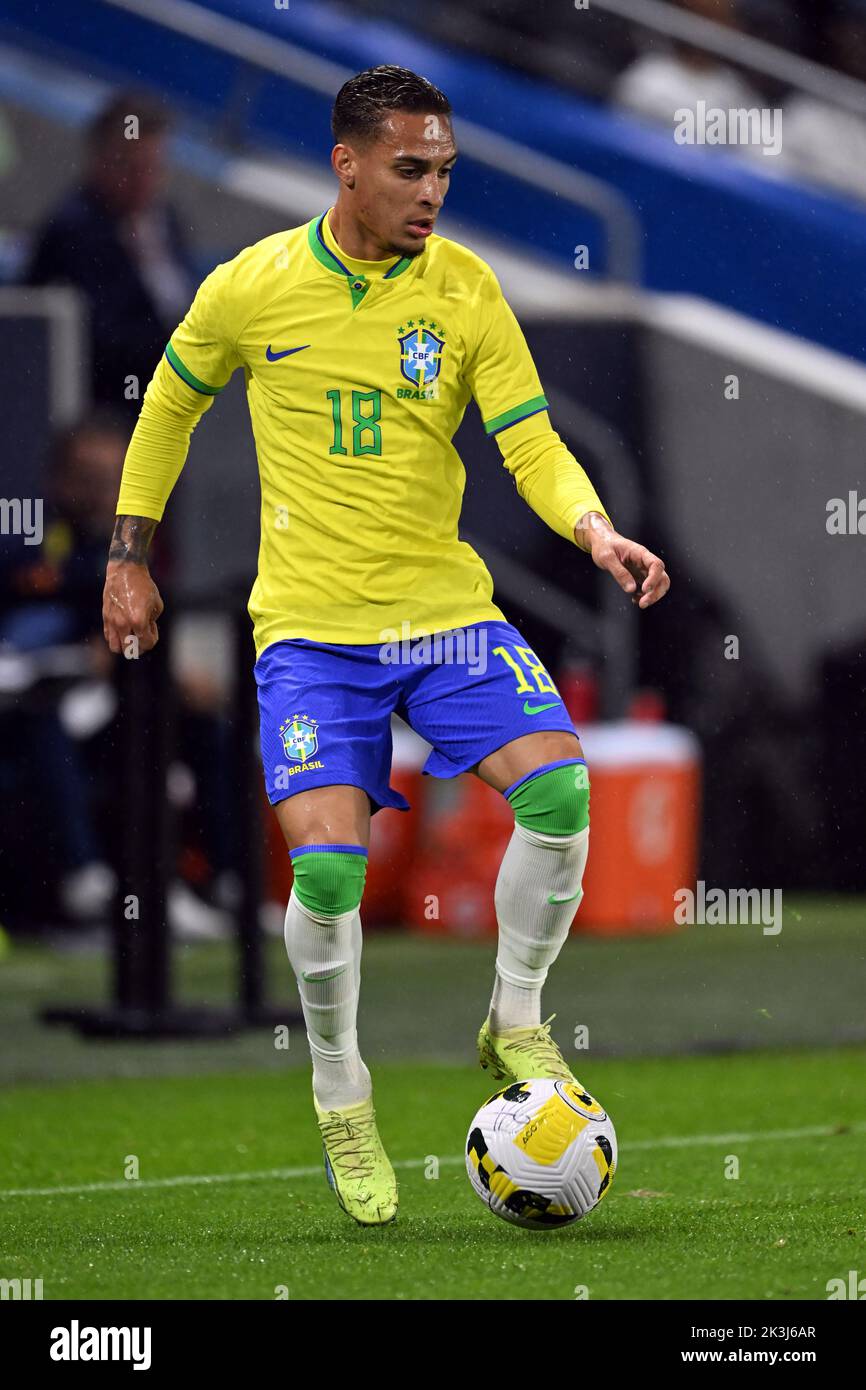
434	867
644	824
644	818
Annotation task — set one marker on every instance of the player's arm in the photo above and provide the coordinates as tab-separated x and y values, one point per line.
131	602
502	377
198	362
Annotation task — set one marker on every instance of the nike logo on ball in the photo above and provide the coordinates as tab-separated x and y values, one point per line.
275	356
538	709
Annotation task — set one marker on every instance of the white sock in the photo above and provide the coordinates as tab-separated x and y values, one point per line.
319	945
532	930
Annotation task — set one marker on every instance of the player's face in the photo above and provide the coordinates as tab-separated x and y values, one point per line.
402	178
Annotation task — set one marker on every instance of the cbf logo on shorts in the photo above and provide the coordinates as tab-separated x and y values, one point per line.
300	737
420	352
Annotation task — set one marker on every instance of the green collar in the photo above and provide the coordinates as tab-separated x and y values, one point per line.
358	284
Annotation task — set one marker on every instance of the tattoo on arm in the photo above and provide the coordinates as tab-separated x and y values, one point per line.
132	536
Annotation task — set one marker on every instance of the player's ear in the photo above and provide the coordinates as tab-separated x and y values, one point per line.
343	164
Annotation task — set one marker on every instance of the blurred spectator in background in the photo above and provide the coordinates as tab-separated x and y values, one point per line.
120	242
58	731
50	600
821	142
657	85
48	597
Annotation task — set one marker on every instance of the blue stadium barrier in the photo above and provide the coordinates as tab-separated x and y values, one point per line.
792	257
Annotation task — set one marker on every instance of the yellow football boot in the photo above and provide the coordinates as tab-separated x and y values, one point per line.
356	1165
523	1054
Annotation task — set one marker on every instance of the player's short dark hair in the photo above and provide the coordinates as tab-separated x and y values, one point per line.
363	101
108	123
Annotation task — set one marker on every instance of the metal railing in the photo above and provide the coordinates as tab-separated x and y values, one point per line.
746	51
298	65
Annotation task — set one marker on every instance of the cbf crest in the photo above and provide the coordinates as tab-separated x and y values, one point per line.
421	350
300	737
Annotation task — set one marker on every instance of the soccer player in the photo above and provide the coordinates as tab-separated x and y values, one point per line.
362	336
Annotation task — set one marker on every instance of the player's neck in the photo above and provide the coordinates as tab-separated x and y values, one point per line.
353	239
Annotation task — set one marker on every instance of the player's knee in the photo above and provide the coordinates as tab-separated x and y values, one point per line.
553	801
329	879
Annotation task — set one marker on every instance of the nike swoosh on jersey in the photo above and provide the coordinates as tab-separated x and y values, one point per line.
537	709
275	356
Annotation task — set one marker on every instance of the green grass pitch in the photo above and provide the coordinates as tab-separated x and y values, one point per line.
672	1226
232	1203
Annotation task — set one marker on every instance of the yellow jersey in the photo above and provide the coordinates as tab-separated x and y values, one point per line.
357	377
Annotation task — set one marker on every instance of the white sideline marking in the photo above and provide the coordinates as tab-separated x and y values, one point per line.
283	1174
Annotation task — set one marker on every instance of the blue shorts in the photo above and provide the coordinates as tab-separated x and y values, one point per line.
326	708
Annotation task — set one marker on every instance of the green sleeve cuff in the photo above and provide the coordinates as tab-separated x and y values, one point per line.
515	415
186	375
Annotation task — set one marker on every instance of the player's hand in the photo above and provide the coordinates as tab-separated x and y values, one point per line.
130	607
635	569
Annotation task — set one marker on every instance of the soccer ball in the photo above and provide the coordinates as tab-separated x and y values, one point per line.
541	1154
